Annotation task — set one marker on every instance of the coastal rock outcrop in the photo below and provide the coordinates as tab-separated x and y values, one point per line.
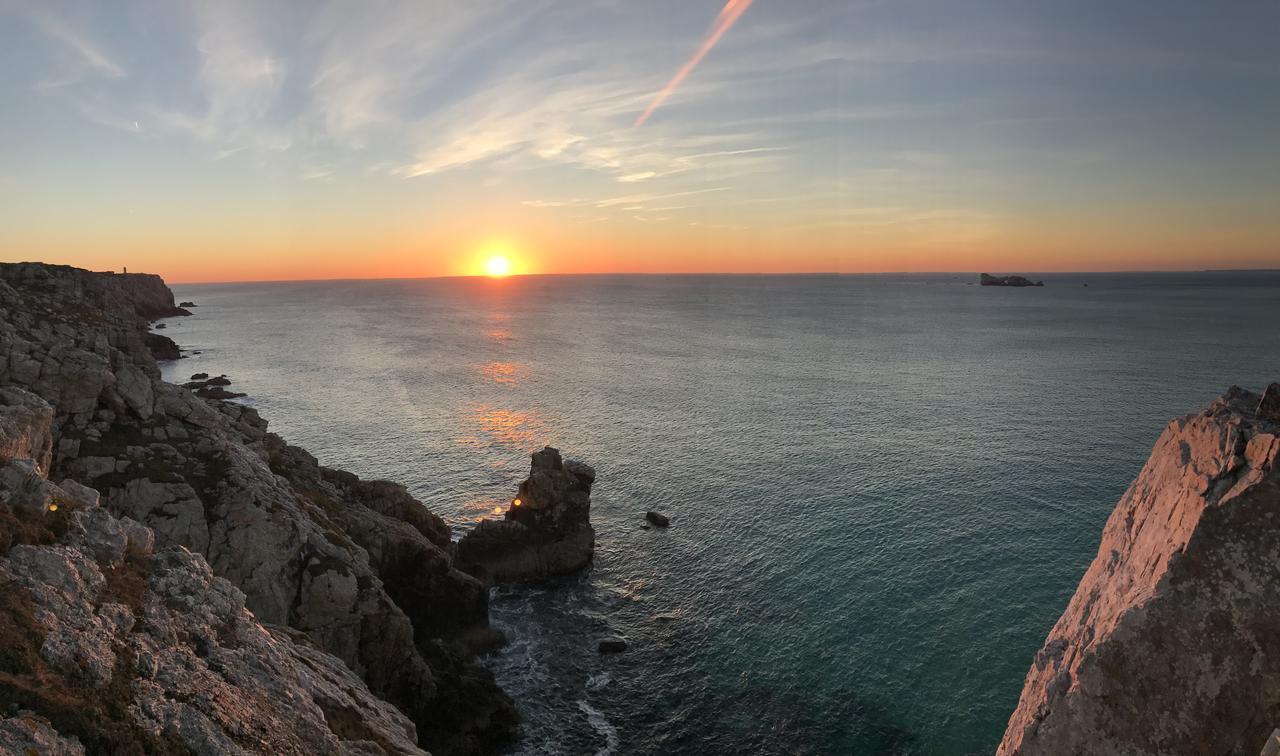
1171	643
113	647
990	280
546	530
357	575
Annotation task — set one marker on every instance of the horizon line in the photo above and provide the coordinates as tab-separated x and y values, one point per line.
726	274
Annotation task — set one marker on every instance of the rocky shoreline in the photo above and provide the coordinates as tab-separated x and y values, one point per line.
178	579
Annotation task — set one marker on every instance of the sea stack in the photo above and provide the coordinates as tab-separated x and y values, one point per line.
1171	643
546	530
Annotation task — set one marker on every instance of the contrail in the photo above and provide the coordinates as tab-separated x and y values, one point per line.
728	15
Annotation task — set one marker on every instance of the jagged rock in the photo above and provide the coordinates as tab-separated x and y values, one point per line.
26	427
29	733
186	304
200	376
1171	643
546	530
358	569
658	519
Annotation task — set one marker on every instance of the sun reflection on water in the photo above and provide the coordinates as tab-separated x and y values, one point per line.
504	372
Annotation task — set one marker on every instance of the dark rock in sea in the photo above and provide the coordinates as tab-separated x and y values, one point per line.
160	326
187	304
546	530
613	645
217	392
289	608
1269	406
220	380
989	280
658	519
199	376
1171	643
162	347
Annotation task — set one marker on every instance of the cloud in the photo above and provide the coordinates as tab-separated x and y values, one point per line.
87	54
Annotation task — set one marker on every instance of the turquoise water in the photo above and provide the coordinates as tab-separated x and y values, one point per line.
883	489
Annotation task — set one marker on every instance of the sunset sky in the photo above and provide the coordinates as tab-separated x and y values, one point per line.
219	141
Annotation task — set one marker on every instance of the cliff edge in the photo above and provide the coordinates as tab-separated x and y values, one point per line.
258	602
1171	643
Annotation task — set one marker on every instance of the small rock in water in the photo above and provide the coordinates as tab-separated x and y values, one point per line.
221	380
657	518
187	304
613	645
199	376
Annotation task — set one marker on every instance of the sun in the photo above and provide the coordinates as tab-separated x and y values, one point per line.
497	266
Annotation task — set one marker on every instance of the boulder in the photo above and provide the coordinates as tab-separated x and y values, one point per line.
613	645
658	519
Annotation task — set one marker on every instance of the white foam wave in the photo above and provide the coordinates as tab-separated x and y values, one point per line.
601	725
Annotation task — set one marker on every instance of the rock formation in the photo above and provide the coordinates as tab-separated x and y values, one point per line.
546	530
1171	643
318	573
989	280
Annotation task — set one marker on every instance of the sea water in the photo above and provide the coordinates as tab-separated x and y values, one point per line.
882	489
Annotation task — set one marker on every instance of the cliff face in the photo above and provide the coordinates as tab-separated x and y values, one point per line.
1171	643
339	574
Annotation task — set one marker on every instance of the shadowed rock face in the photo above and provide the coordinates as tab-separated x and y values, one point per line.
546	530
358	569
1171	643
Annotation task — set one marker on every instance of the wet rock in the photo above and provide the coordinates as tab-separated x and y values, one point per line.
546	530
218	393
614	645
186	304
200	376
1169	643
658	519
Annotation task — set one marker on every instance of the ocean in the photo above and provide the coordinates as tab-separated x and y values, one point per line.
883	489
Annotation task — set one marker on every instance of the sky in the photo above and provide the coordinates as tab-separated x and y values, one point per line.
218	141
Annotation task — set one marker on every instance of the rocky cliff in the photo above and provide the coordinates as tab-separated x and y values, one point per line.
1171	643
193	583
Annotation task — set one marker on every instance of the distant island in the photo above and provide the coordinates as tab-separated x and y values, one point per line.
990	280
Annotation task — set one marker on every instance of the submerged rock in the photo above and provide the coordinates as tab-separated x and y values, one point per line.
1171	643
658	519
546	530
614	645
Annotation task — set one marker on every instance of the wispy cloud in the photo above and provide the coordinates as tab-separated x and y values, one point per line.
88	55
